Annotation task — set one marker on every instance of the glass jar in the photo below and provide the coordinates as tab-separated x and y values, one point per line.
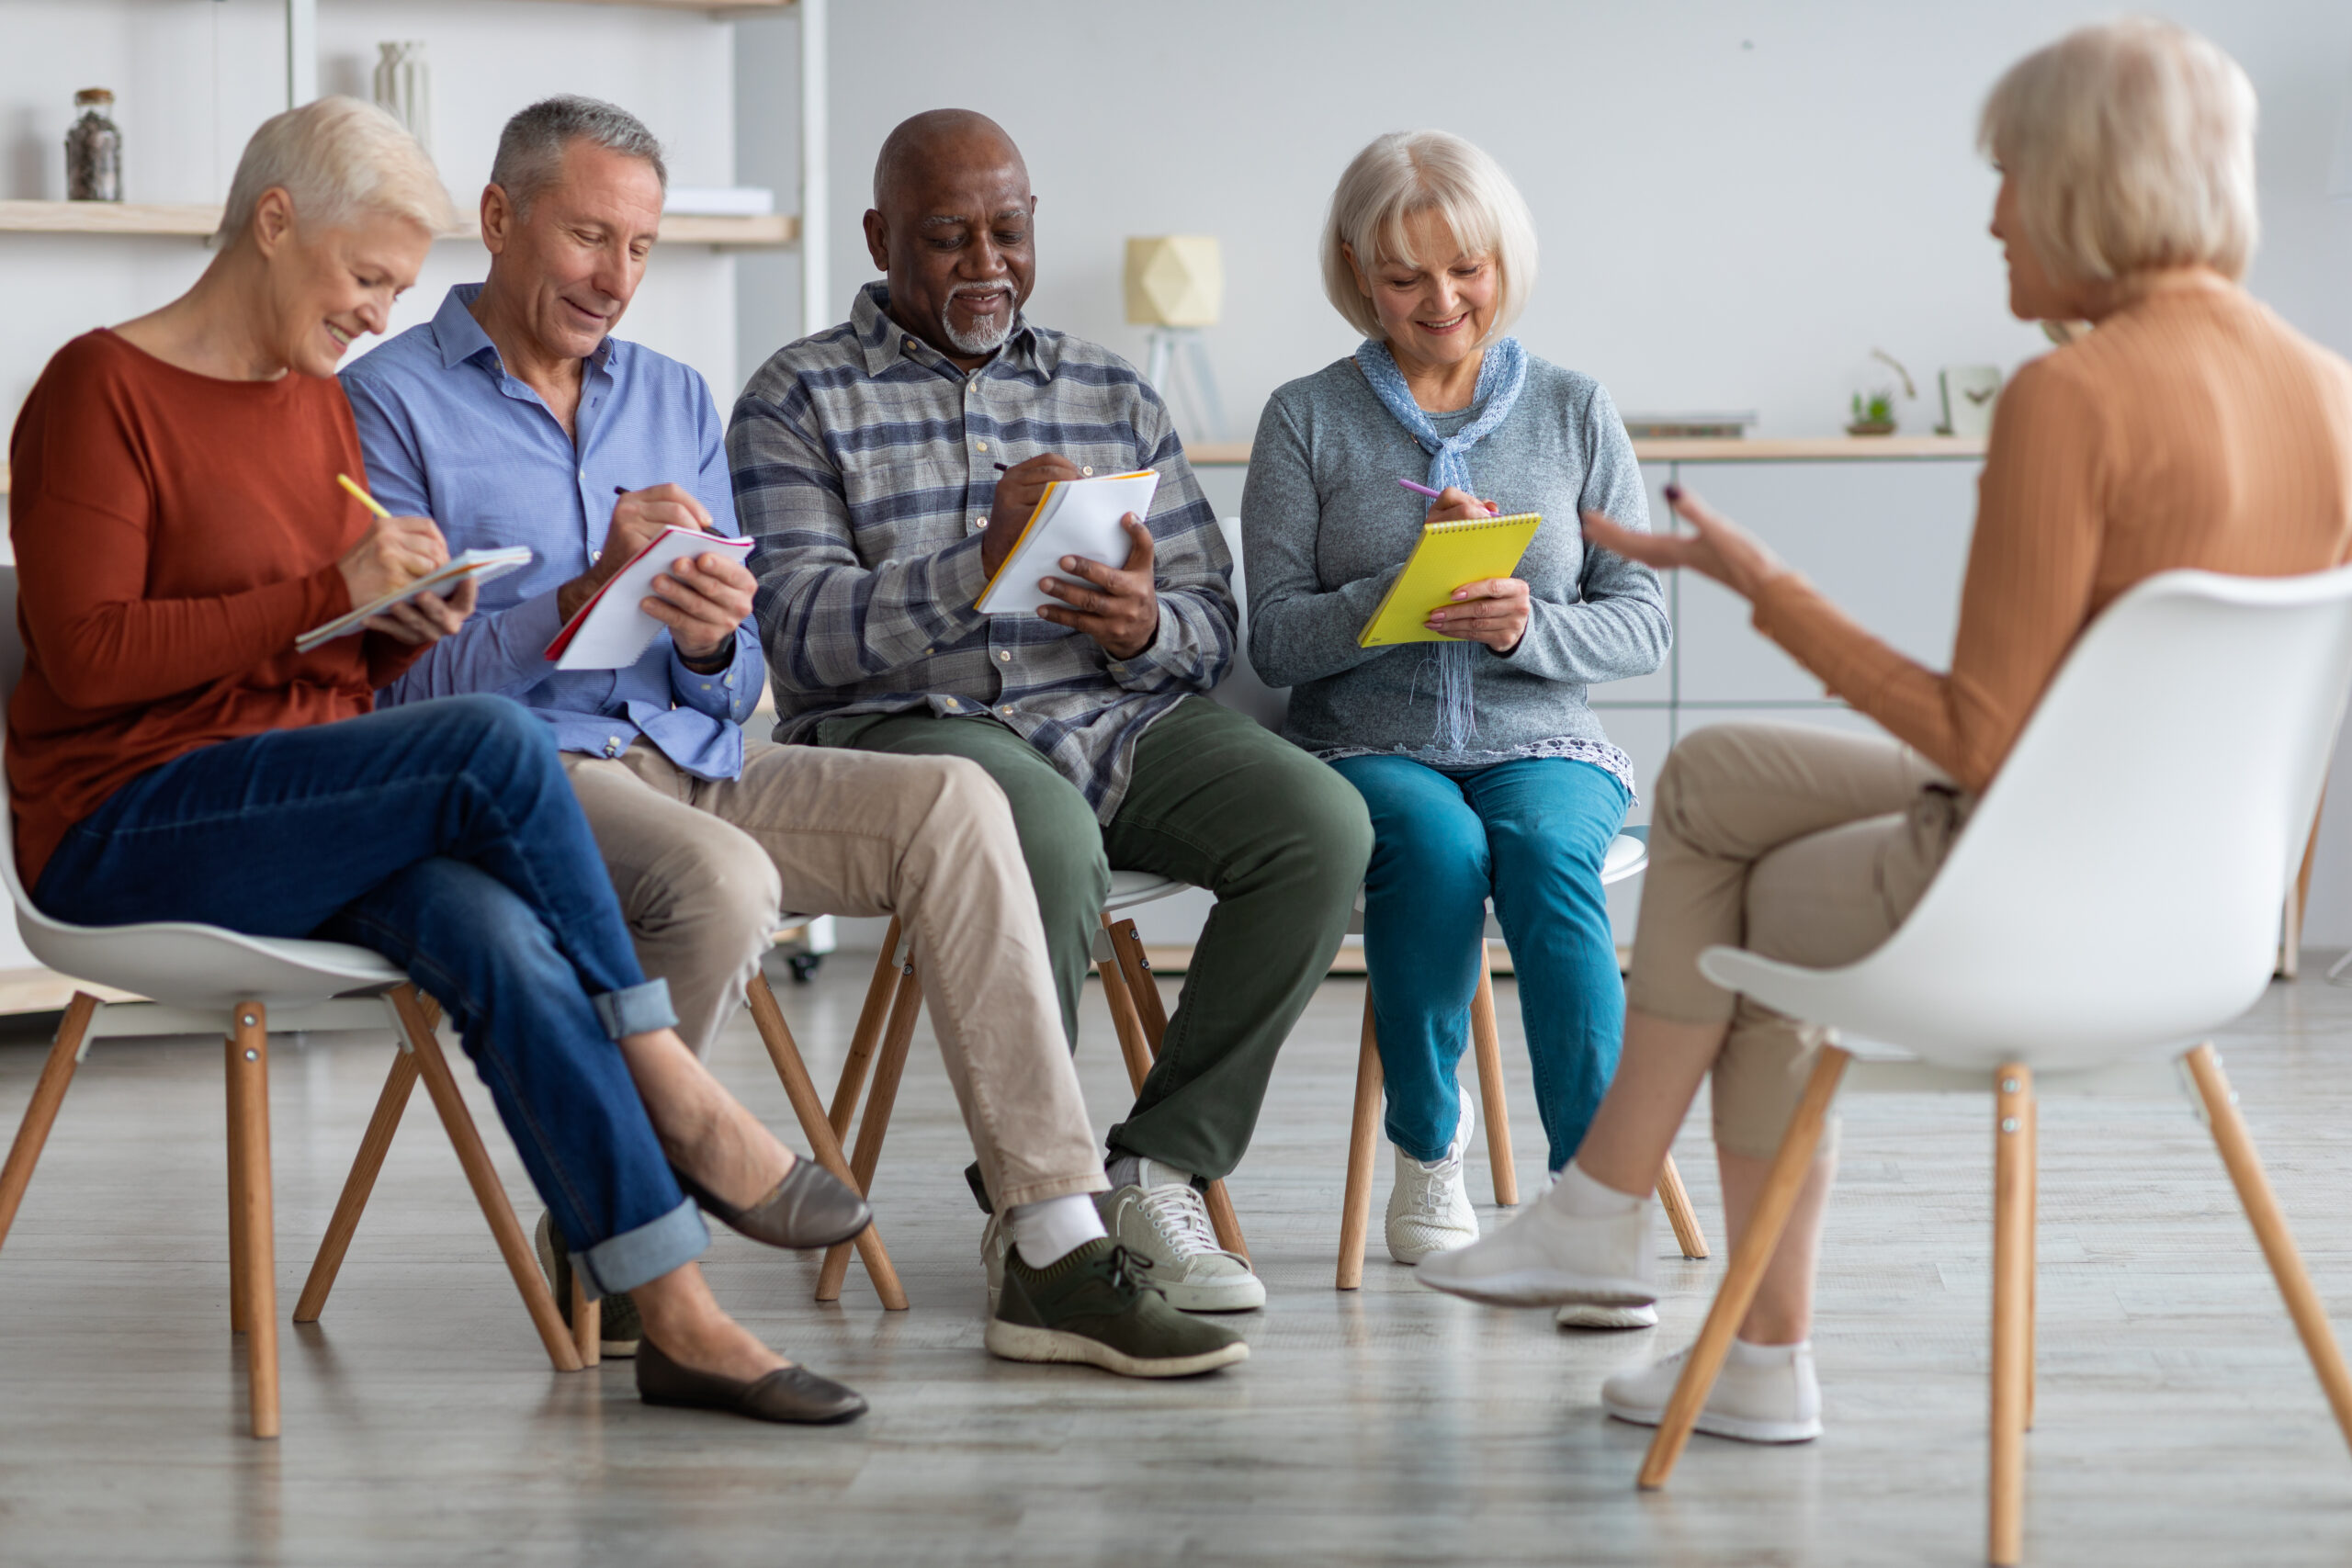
94	150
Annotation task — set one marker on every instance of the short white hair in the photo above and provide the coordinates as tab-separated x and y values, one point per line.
1406	173
2132	144
334	157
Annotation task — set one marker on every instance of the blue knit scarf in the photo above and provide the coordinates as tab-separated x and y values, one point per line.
1500	377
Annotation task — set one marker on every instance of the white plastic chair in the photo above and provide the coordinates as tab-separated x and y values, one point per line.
198	978
2113	899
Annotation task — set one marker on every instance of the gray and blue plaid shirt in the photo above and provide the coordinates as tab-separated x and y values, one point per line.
865	466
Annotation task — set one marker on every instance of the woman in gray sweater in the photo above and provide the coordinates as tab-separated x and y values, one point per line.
1486	773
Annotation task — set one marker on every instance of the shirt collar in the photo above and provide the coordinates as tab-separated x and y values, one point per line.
461	337
884	343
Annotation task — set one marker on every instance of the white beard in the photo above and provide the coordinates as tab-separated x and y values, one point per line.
983	340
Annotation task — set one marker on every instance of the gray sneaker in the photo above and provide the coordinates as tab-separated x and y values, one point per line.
1165	1225
1095	1307
618	1326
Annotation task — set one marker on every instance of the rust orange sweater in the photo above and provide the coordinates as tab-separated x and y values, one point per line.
174	533
2192	429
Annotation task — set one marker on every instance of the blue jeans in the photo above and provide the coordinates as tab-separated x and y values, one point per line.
444	836
1532	835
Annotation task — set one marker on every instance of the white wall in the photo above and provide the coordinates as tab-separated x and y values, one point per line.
194	77
1737	201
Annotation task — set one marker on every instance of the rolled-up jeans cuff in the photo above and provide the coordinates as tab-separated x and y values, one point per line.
633	1010
634	1258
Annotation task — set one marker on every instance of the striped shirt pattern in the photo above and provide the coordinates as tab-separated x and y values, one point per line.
865	466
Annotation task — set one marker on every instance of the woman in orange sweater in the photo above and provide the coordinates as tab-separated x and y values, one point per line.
171	756
2192	428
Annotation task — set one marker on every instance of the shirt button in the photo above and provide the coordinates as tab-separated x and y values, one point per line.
1007	712
979	519
1087	469
1003	656
595	556
979	446
929	651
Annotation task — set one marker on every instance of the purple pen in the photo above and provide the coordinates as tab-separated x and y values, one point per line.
1492	510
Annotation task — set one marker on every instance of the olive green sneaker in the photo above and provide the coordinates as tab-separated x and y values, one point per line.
1096	1306
618	1326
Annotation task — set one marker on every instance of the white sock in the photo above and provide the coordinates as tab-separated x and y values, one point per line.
1133	1170
1052	1228
1748	1354
1576	1193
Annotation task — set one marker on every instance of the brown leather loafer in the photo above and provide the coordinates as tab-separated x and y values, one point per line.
792	1395
808	1208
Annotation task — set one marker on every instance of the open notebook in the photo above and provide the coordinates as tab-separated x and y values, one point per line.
1449	555
1074	517
482	566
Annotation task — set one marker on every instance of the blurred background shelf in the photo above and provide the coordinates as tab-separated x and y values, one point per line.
197	219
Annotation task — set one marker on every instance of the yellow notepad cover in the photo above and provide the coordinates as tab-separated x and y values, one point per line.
1449	555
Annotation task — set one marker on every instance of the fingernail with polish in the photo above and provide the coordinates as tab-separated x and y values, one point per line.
1674	492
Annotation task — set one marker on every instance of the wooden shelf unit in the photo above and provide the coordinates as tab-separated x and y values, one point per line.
1802	449
197	220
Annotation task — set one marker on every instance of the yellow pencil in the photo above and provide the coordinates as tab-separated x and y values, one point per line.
365	499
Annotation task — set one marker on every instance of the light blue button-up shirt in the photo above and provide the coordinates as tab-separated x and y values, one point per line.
450	436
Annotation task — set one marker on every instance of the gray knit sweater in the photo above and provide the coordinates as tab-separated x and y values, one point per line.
1326	526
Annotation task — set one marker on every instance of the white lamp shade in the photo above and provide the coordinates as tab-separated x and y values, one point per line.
1175	281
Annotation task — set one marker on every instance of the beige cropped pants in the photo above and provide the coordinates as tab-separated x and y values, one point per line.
701	867
1801	844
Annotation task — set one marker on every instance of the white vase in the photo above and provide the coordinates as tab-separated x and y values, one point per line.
404	88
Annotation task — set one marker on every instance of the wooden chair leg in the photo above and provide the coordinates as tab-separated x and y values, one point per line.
482	1177
1364	1153
1151	1016
1487	1041
889	1067
241	1315
2012	1262
252	1243
884	995
49	1093
1790	1167
2032	1251
777	1035
1675	1198
587	1324
2270	1229
1126	1023
365	1167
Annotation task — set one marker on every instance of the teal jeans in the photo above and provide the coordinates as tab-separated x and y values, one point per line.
1218	802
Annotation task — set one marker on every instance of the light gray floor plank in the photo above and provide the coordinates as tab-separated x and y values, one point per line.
2177	1420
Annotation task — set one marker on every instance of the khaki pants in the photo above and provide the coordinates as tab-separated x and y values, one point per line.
701	867
1804	845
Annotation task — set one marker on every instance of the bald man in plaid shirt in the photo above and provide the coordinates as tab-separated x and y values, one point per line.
885	468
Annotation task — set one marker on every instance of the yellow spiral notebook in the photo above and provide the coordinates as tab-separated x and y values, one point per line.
1449	555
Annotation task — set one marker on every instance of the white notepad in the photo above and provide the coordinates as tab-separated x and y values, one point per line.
482	566
610	632
1074	517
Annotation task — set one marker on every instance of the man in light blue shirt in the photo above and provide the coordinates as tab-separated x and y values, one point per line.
513	417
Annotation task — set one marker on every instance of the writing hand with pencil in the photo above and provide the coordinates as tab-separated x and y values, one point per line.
1493	610
393	553
1117	606
701	598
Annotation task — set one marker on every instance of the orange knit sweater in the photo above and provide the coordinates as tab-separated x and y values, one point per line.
2192	429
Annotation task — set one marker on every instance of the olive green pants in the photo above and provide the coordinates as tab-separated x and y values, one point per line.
1218	802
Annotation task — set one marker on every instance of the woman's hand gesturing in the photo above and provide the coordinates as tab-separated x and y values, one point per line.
1720	548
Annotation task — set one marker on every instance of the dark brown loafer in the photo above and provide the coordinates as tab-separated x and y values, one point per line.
788	1394
808	1208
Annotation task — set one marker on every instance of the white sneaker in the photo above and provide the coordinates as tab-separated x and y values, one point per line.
1766	1393
1545	1257
1429	1207
1588	1315
1165	1223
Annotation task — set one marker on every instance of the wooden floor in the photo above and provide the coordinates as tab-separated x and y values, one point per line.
2178	1422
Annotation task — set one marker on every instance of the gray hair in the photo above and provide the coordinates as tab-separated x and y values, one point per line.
334	157
531	148
1409	172
2132	144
